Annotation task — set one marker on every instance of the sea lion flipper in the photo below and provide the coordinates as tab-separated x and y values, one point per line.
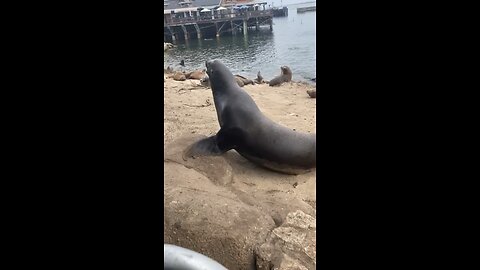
214	145
203	147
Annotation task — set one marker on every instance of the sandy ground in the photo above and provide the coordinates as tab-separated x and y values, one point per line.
189	111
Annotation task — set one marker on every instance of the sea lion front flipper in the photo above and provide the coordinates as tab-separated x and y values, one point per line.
213	145
203	147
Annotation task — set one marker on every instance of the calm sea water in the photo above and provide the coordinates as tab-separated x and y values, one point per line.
291	43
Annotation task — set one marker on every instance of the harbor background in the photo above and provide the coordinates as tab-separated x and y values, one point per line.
292	43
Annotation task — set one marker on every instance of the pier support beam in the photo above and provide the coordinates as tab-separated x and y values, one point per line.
233	28
171	33
199	33
271	28
217	30
256	24
185	31
245	27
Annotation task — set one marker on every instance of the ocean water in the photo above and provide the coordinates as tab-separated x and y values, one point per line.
291	43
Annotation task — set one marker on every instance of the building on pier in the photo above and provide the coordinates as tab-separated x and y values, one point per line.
186	19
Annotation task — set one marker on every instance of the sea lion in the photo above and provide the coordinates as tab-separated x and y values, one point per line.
259	78
205	81
286	76
239	81
312	93
168	70
244	128
242	80
196	75
167	46
179	76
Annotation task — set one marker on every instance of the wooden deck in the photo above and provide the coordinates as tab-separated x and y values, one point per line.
216	24
218	18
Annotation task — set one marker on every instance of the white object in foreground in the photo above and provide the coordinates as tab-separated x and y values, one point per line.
176	258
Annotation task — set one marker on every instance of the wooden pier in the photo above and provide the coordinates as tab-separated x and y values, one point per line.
306	9
280	12
215	24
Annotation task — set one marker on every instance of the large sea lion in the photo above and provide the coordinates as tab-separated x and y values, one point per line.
246	129
286	76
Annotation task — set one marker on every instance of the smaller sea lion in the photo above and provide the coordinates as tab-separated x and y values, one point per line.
205	81
196	75
179	76
241	81
312	93
259	78
168	70
167	46
286	76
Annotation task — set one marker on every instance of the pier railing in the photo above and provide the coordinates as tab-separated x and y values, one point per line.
218	17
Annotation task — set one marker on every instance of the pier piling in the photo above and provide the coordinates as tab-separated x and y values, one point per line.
184	31
230	22
199	33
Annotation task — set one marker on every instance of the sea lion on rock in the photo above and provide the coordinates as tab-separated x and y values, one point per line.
179	76
239	81
286	76
259	78
312	93
244	80
167	46
196	75
205	81
246	129
168	70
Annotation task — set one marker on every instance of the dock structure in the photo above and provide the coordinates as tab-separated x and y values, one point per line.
280	12
187	19
306	9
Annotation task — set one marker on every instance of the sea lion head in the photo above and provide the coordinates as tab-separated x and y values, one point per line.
286	70
219	75
205	81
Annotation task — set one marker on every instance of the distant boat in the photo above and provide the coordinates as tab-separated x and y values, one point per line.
305	9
